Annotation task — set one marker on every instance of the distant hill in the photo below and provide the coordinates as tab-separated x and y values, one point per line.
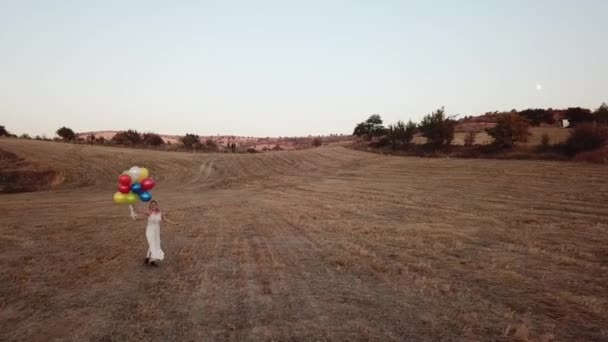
257	143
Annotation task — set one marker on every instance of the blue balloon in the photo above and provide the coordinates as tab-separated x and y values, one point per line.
136	188
145	196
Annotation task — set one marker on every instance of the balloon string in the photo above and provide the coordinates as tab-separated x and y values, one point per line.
133	213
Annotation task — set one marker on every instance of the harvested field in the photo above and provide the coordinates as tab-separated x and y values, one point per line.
322	244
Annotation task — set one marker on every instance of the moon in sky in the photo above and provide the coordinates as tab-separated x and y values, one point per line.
539	86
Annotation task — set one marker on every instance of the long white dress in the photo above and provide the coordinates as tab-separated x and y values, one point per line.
153	237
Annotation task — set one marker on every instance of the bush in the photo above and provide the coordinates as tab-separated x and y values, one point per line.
130	137
152	139
316	142
601	114
251	150
586	137
578	115
400	133
438	128
469	139
67	134
4	132
210	145
91	139
25	136
190	140
545	141
537	116
372	127
510	129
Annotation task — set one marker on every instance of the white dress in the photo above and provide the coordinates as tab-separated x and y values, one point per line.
153	237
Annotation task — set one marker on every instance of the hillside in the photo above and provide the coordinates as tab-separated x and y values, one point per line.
320	244
244	143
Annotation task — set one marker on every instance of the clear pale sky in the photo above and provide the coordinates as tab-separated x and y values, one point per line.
284	68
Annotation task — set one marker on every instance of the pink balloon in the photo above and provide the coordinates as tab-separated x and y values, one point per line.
148	184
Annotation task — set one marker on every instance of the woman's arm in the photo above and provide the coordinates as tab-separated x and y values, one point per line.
164	218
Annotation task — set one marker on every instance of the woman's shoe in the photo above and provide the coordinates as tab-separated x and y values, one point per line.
154	263
146	261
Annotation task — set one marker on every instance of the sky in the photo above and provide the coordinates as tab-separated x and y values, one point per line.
291	68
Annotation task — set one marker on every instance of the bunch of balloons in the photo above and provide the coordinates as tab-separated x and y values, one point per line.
133	185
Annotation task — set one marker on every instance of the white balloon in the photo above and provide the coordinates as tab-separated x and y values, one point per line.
135	173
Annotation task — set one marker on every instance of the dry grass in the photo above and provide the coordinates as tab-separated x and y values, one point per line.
556	135
323	244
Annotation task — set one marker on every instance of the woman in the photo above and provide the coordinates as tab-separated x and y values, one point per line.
155	253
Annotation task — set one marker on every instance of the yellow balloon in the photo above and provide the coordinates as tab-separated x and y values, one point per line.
120	198
131	198
144	174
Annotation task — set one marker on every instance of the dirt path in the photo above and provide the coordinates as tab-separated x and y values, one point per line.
324	244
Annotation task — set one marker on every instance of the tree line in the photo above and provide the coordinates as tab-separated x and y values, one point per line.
590	129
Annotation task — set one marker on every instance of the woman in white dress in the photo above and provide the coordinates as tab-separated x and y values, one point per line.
155	253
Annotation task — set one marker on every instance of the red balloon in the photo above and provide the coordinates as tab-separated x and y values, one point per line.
125	189
124	180
148	184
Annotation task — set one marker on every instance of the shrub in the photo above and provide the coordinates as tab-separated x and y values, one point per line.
251	150
469	139
586	137
372	127
101	141
130	137
4	132
67	134
438	128
91	139
400	133
510	128
190	140
537	116
153	139
25	136
210	145
578	115
316	142
545	141
601	114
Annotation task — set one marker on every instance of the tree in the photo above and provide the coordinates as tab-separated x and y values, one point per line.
190	140
153	139
537	116
586	137
400	133
210	145
601	114
66	134
510	128
372	127
4	132
578	115
316	142
438	128
130	137
25	136
91	139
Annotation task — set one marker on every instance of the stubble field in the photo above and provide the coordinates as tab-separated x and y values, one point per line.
322	244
